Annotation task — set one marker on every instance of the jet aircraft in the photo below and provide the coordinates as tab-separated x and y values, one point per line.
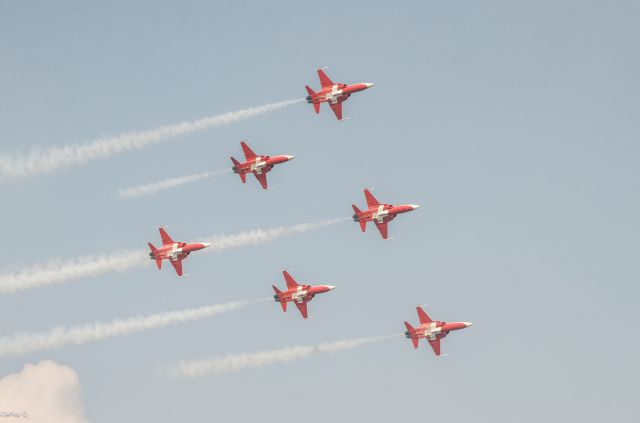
431	330
332	93
300	295
258	165
379	213
173	251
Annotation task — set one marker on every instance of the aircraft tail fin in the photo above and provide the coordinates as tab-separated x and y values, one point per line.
154	250
309	90
279	298
409	332
363	223
243	176
316	106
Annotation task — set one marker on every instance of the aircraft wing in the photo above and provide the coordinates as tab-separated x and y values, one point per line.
177	264
324	79
371	200
248	153
436	346
382	227
422	316
302	307
262	178
337	110
291	283
166	239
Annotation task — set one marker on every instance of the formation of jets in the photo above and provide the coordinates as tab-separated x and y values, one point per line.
378	213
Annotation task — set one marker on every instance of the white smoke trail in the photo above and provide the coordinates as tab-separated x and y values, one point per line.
236	362
58	271
152	188
36	162
259	236
58	337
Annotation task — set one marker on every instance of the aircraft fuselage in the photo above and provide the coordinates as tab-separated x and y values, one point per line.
383	213
261	164
176	251
336	93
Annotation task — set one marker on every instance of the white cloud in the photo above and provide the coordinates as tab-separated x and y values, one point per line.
46	392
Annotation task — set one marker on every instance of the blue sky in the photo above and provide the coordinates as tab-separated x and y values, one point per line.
513	124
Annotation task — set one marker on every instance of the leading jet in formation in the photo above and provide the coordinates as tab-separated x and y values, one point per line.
300	295
332	93
379	213
173	251
258	165
431	330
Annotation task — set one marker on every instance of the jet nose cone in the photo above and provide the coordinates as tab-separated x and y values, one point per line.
290	157
467	324
369	84
205	244
330	287
414	206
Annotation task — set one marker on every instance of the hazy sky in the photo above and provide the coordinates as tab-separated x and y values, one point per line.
513	124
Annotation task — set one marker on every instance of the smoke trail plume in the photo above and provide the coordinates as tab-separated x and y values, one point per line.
259	236
37	162
236	362
58	271
58	337
152	188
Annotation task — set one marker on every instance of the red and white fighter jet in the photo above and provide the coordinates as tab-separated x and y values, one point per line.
300	295
332	93
432	331
173	251
378	213
258	165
